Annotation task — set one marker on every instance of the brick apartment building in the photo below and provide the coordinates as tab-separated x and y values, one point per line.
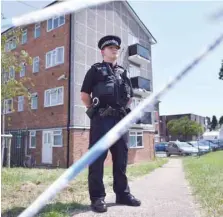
54	129
164	119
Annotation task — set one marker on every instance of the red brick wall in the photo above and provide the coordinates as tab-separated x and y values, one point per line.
80	140
59	153
44	79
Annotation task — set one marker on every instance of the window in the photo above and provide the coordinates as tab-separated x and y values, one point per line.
23	70
10	44
11	72
135	139
134	71
20	103
55	22
24	36
132	39
146	118
35	64
55	57
34	101
57	138
53	97
8	104
37	30
54	137
32	139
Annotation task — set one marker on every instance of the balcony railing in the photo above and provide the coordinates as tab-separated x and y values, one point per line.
139	54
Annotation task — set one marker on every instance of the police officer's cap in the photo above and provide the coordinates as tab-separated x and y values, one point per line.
108	41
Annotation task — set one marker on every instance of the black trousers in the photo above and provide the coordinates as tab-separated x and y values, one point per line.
119	151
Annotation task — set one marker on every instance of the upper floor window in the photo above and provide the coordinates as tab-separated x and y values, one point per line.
55	57
55	22
8	106
23	70
37	30
54	96
35	64
24	36
20	103
10	44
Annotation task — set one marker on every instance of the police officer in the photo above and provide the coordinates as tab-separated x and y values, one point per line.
109	83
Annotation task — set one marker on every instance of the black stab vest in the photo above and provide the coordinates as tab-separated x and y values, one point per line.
110	89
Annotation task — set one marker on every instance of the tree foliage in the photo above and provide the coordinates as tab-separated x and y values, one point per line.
214	122
10	87
221	120
184	126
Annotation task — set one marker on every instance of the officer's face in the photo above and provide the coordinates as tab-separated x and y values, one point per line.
110	52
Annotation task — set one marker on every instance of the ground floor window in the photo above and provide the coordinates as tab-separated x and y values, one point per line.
135	139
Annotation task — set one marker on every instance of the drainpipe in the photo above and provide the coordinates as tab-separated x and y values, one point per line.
69	95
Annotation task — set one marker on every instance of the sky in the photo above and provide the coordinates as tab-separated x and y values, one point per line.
182	31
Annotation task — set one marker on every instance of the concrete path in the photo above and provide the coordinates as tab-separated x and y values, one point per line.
164	193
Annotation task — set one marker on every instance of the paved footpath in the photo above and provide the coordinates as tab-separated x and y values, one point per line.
164	193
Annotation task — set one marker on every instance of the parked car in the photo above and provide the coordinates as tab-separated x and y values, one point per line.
202	147
180	148
161	146
211	144
217	142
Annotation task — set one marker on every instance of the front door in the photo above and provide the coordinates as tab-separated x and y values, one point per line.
47	147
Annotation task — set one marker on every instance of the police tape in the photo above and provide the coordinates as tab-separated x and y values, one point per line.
61	8
112	136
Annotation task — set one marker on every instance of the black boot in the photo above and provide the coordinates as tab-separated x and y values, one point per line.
128	199
99	205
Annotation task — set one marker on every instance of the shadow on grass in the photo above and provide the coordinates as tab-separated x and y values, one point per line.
58	209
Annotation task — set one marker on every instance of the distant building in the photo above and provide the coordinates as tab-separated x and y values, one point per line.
164	119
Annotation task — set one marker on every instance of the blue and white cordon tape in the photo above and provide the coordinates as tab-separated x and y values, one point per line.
116	132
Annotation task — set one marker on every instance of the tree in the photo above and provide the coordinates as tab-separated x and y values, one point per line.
185	127
10	65
214	122
221	120
221	71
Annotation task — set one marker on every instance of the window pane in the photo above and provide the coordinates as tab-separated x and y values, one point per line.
61	20
56	22
60	95
48	59
20	103
36	64
49	24
11	73
58	140
132	141
60	55
54	57
34	102
139	141
33	141
47	99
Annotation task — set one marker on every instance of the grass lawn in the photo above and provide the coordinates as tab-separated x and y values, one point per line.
205	175
21	186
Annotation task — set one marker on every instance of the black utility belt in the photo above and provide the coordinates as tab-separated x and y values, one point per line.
109	111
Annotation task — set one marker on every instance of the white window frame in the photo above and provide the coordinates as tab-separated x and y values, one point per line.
53	18
34	61
54	54
24	34
11	72
136	133
10	44
58	132
37	27
32	133
5	102
22	72
32	96
21	100
51	90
